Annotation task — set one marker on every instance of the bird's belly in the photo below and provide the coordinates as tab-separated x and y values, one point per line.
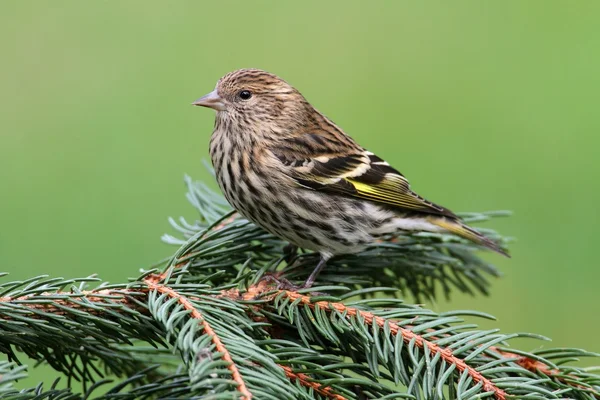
305	226
310	220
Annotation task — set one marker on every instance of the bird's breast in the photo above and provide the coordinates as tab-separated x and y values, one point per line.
240	173
256	184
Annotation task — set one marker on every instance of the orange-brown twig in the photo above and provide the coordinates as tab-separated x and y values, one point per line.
306	381
226	222
153	284
536	366
528	363
121	296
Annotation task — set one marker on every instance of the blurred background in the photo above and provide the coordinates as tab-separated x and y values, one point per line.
483	106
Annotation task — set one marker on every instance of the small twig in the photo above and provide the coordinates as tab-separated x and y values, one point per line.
306	381
528	363
178	263
152	282
226	222
536	366
121	296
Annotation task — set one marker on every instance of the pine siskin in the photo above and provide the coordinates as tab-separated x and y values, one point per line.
289	169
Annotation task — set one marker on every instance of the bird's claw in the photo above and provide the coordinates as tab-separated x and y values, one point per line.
281	283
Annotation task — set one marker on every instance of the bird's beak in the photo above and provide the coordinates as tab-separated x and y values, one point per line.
211	100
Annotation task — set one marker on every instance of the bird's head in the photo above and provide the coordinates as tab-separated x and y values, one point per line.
255	100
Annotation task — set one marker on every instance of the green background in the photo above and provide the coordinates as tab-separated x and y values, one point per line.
481	105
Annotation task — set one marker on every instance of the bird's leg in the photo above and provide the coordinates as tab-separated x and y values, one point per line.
311	279
281	283
289	251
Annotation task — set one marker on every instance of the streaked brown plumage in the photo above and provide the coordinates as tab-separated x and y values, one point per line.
289	169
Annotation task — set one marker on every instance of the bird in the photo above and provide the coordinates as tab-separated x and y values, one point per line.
289	169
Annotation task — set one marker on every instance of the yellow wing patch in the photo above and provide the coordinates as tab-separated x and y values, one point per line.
390	192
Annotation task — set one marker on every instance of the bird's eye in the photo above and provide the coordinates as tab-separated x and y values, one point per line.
245	94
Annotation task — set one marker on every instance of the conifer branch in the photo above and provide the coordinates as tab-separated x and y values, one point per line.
407	335
153	282
220	326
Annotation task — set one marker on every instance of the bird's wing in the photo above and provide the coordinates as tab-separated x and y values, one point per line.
359	174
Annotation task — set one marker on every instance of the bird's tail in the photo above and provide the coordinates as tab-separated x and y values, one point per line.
462	230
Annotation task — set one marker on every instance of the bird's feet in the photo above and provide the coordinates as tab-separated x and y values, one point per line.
284	284
281	283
